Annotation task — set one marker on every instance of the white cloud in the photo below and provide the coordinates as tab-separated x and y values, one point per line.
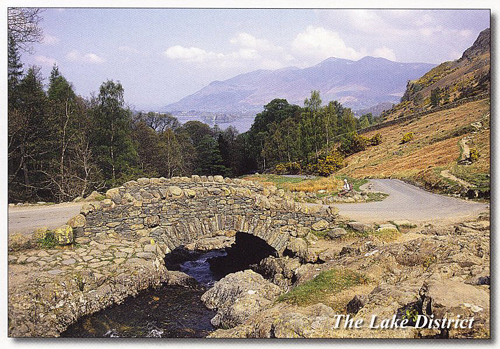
43	60
250	52
191	54
385	52
76	56
240	57
250	41
319	43
50	40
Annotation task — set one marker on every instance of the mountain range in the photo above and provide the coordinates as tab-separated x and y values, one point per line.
356	84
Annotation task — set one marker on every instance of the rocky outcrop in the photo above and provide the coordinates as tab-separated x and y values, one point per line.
280	271
238	296
480	46
439	273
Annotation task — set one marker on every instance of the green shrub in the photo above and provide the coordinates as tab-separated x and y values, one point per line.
376	139
48	241
353	143
473	155
407	137
288	168
327	166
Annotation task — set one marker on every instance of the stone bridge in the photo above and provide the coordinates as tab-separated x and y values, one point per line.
177	211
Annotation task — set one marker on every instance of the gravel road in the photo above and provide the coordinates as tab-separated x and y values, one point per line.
406	201
27	219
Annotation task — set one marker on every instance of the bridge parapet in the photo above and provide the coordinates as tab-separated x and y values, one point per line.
180	210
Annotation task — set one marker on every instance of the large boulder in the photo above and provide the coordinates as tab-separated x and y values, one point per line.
298	247
451	299
94	196
77	221
238	296
64	235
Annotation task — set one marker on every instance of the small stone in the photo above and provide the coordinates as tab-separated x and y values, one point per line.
82	240
320	225
114	194
175	191
151	248
69	261
404	224
94	196
64	235
55	272
361	227
190	193
146	255
43	254
86	209
143	181
40	233
152	221
336	233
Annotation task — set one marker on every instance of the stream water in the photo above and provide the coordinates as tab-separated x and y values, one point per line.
168	311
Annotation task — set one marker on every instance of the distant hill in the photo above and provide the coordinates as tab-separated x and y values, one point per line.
376	110
465	77
356	84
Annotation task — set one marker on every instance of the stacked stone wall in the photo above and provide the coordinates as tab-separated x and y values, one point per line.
180	210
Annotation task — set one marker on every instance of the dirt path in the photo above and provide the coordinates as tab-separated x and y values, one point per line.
27	219
447	174
464	156
406	201
465	147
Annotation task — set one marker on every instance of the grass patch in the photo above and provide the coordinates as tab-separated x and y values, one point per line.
387	235
472	175
456	132
314	184
328	184
376	196
271	179
351	233
326	284
48	241
322	234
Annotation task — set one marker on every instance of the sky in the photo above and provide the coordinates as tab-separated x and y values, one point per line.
163	55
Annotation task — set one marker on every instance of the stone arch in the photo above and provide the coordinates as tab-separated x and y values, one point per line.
177	211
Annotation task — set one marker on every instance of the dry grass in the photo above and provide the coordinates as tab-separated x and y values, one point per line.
330	184
430	147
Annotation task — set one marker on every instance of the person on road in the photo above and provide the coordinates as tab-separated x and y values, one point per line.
346	188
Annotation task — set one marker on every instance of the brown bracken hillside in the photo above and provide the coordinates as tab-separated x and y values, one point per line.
450	149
